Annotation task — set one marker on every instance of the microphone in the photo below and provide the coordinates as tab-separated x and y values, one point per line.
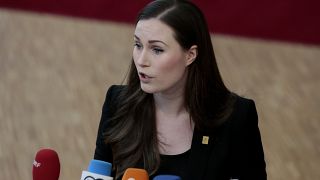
167	177
97	170
46	165
135	174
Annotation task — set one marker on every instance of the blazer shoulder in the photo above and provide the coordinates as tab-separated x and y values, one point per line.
114	90
103	151
243	101
243	106
113	94
243	114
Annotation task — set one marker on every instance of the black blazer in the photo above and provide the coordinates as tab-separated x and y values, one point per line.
233	151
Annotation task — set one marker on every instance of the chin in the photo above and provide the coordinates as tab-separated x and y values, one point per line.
148	88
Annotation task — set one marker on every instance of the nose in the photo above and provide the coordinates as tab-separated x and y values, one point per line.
142	59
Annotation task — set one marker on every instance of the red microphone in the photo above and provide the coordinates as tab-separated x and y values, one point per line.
46	165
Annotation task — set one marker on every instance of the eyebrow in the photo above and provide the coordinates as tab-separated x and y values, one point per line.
151	41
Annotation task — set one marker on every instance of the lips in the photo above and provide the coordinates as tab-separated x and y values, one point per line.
144	77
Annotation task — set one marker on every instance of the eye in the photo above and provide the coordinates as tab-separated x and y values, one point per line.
137	45
157	50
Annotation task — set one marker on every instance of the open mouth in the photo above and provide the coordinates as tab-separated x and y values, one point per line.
144	76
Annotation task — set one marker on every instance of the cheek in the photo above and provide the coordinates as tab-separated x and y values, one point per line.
173	67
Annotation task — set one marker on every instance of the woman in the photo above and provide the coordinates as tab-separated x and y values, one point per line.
175	115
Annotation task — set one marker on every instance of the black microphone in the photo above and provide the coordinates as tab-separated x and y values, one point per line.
167	177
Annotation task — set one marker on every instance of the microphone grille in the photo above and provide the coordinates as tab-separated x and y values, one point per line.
46	165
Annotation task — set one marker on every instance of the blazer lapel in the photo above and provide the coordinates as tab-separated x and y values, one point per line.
199	154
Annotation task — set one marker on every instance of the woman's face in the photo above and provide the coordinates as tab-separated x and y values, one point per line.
160	61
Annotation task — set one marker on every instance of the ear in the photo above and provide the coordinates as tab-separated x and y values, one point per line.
191	55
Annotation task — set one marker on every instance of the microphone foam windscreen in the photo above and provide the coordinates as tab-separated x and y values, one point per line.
100	167
135	174
46	165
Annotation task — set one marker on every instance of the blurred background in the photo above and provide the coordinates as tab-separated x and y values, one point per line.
58	58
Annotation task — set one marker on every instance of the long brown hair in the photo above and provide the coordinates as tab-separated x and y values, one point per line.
132	130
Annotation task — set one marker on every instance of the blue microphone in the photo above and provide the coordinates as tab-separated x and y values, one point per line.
167	177
97	170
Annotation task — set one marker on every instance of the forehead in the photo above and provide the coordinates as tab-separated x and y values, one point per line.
154	29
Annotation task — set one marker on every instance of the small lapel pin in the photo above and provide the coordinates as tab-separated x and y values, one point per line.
205	139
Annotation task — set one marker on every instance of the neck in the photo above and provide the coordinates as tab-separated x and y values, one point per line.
174	126
172	104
